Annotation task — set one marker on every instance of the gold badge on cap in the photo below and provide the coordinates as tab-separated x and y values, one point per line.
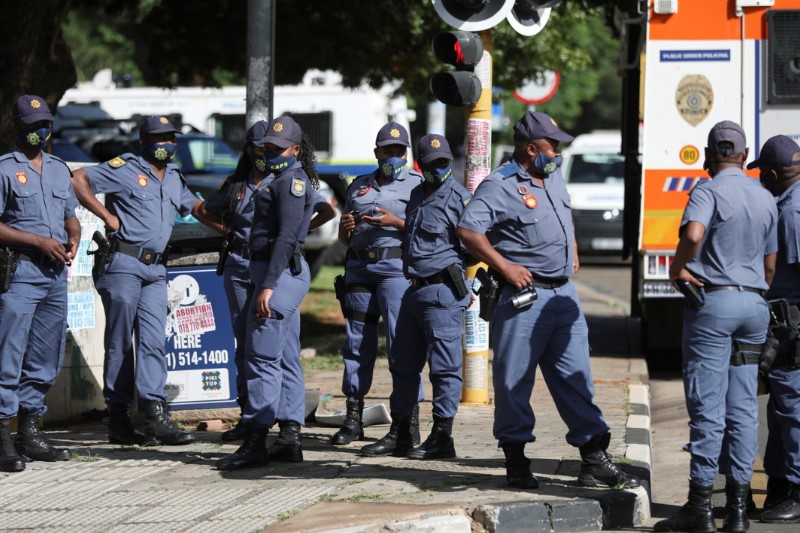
278	127
395	133
163	120
435	143
36	104
116	162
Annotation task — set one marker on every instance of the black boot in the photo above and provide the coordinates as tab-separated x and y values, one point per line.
415	436
736	506
121	429
252	452
696	516
778	490
439	444
287	447
518	467
596	466
157	424
397	442
10	461
32	444
237	432
352	428
787	511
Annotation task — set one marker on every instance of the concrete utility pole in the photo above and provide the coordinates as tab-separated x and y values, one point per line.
260	60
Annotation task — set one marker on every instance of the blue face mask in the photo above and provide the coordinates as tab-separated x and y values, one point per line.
391	167
259	162
160	151
437	175
35	137
546	165
277	163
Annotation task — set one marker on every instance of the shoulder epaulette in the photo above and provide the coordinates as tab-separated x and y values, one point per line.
6	155
507	170
116	162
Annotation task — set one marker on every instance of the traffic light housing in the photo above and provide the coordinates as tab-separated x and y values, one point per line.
463	50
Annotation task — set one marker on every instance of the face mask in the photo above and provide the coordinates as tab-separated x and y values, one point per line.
766	181
391	166
437	175
36	137
278	163
546	165
259	162
160	151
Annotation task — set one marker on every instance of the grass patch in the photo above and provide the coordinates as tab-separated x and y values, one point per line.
286	515
88	458
364	496
326	361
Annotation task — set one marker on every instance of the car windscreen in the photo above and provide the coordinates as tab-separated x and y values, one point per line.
205	155
596	168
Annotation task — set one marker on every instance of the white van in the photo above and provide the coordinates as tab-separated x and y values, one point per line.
594	171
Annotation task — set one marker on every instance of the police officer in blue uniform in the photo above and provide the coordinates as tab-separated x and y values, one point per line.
40	235
143	194
230	211
374	282
779	166
727	247
283	211
430	322
519	222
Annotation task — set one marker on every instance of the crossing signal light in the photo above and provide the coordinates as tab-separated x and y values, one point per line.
463	50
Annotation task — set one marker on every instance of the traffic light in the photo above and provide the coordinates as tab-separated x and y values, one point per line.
463	50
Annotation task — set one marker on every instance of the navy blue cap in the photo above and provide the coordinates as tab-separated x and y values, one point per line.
30	108
538	125
777	152
432	147
156	125
282	132
726	131
256	132
392	133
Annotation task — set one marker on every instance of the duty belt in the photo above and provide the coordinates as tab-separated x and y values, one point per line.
548	283
148	257
715	288
34	256
375	254
418	283
240	248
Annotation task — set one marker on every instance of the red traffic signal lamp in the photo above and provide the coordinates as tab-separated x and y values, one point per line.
463	50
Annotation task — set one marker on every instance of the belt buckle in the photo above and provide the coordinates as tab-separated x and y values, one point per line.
372	255
148	257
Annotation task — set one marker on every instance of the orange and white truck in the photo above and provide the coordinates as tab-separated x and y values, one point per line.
702	61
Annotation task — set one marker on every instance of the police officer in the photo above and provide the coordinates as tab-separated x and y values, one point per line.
519	222
283	211
430	321
374	282
230	211
143	194
41	234
779	166
727	247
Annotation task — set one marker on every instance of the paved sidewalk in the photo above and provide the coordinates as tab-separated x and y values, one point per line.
113	488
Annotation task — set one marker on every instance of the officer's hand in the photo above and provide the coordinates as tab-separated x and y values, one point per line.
385	219
348	222
112	224
262	304
72	249
517	275
685	275
54	250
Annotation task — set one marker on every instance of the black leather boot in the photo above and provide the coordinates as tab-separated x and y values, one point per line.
416	438
596	466
439	444
287	447
252	452
32	444
121	429
397	442
787	511
352	428
736	506
237	432
518	467
696	516
10	461
157	424
778	490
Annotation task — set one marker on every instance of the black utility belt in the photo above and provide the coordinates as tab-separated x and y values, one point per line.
240	248
265	253
148	257
418	283
34	256
374	255
715	288
548	283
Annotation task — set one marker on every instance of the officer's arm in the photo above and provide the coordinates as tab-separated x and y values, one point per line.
80	182
346	226
209	219
324	212
691	238
769	267
576	263
480	247
73	227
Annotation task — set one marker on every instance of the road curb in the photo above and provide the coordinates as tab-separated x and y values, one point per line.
638	451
